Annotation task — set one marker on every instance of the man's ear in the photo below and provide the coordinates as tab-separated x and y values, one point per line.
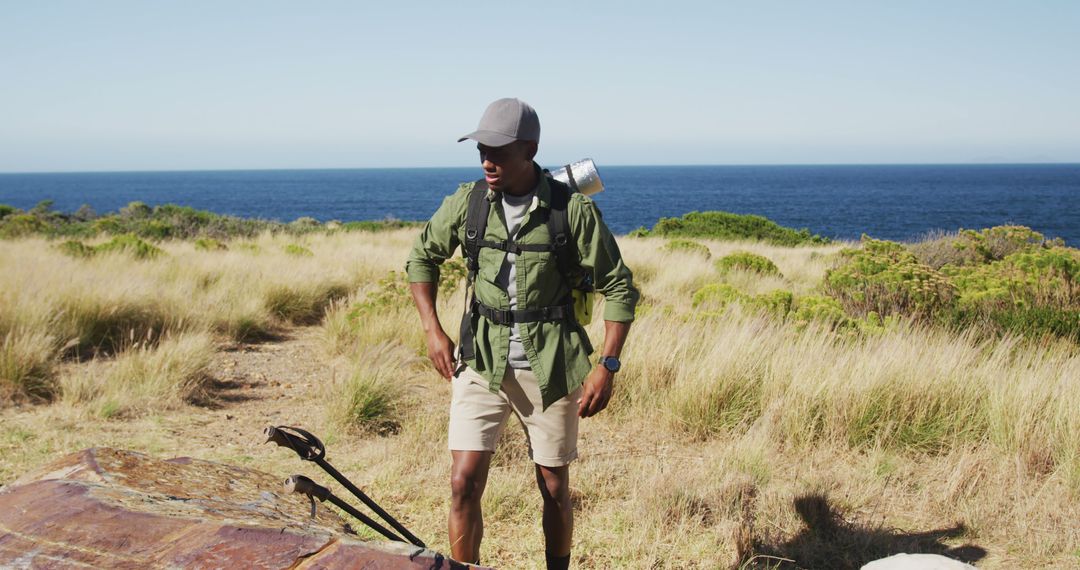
531	147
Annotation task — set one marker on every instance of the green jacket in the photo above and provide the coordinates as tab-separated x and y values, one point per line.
558	351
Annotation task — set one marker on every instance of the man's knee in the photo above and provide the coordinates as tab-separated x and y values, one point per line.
466	486
468	477
554	483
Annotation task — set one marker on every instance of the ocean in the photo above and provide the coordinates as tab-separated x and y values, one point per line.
897	202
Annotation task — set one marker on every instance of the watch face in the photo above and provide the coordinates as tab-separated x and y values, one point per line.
611	363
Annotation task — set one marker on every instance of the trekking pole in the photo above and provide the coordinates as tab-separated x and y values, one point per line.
309	448
305	486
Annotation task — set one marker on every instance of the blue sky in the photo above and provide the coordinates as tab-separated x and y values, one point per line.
109	85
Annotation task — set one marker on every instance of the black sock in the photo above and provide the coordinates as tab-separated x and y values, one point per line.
557	562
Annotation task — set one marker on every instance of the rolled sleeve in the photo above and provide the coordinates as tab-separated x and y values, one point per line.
601	257
438	240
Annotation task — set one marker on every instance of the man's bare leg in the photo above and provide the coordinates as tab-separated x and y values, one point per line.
554	483
468	477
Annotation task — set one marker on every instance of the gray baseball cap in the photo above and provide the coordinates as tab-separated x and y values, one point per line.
505	121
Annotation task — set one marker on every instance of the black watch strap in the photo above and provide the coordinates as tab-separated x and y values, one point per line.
611	363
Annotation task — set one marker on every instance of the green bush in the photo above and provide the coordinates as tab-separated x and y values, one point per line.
815	308
1002	280
75	248
712	299
167	221
777	303
886	278
688	246
746	261
1044	277
18	225
305	223
378	225
725	225
136	210
209	244
716	296
131	245
975	247
297	250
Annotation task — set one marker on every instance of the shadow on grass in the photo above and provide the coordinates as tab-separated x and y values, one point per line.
829	541
219	393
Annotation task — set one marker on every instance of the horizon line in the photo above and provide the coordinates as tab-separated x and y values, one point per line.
692	165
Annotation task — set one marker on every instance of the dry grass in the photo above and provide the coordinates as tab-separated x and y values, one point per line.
733	440
143	378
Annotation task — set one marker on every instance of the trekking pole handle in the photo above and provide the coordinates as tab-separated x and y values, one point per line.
305	486
313	490
303	443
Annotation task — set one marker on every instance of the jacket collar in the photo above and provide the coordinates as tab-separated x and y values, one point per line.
543	189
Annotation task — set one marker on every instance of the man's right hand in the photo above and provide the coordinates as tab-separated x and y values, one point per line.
440	350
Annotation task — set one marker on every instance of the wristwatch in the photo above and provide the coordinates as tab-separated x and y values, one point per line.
611	363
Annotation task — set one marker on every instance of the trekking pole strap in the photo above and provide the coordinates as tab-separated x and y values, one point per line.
369	502
304	443
305	486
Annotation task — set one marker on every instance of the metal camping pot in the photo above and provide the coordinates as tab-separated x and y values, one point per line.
581	176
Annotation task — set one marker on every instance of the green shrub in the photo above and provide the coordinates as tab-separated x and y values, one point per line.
167	221
1033	293
716	296
777	303
746	261
1044	277
136	210
392	292
297	250
974	247
725	225
76	249
378	225
452	274
209	244
886	278
18	225
815	308
131	245
305	223
712	299
688	246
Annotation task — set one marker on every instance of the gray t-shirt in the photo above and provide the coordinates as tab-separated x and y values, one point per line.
515	209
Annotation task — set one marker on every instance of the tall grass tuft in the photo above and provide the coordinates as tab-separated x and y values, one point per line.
370	398
27	366
144	378
303	304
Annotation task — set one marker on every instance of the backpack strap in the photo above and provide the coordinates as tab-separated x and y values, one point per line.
563	243
476	218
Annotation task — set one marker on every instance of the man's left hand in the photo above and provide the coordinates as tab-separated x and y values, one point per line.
596	392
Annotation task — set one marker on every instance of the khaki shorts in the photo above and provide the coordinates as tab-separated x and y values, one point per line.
478	416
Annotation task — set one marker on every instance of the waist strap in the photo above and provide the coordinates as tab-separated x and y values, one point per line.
506	317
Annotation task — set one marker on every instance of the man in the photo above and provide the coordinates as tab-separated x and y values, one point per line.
525	353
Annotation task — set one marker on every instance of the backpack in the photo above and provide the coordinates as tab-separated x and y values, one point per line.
578	308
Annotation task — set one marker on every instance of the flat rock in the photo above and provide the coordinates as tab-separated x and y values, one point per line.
109	508
917	562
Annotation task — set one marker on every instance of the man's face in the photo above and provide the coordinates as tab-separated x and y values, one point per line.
508	167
